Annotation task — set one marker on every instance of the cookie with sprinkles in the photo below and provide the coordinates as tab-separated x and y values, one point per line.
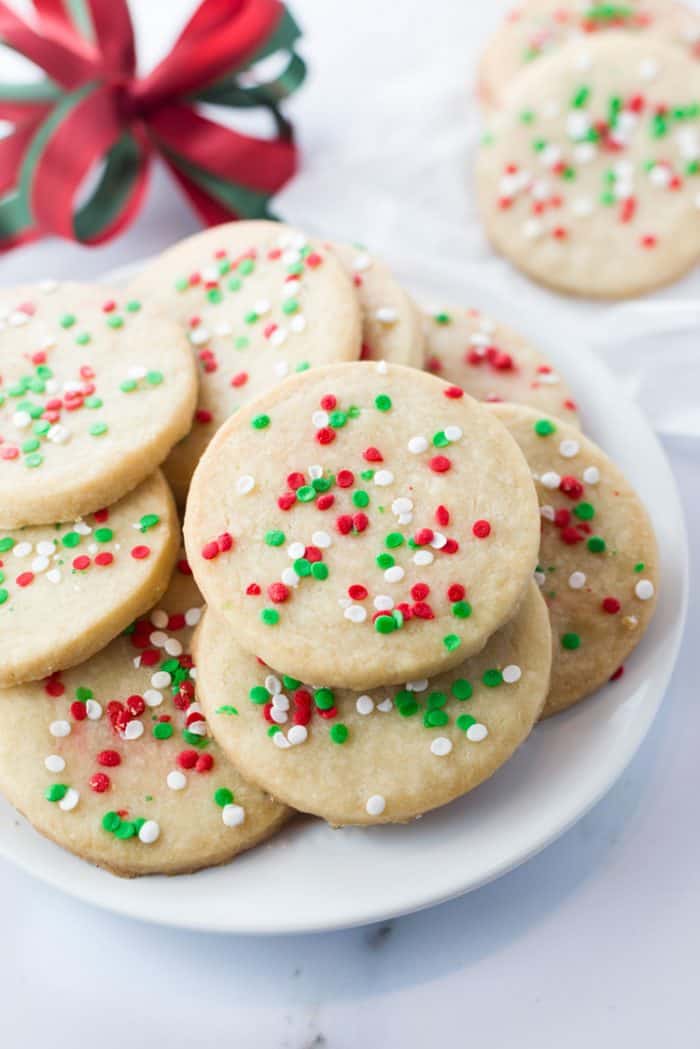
536	28
391	323
598	568
259	301
344	755
492	362
588	179
362	524
95	388
114	761
67	589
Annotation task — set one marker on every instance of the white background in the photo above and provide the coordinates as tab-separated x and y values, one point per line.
593	942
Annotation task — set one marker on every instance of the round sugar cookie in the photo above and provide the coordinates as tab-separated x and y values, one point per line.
113	759
536	28
67	589
492	362
598	566
96	386
589	178
379	757
391	323
363	524
259	301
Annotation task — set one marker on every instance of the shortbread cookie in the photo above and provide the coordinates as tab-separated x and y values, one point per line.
385	756
492	362
535	28
113	759
391	323
259	301
598	567
363	524
67	589
589	178
95	388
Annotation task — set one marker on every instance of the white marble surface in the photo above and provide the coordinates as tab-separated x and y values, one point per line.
594	941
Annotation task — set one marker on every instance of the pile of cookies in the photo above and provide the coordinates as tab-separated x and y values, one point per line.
408	550
588	175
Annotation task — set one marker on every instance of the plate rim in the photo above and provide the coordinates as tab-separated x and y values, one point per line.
477	287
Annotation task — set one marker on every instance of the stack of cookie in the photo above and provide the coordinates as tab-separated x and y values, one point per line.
399	580
588	176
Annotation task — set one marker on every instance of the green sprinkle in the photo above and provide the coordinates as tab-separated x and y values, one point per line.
162	730
126	829
110	821
194	740
67	320
337	419
274	538
435	718
41	427
234	284
36	459
270	616
339	733
321	484
250	317
492	678
384	624
408	708
442	318
71	540
182	284
319	570
241	342
83	338
440	440
465	721
584	511
306	494
98	429
261	422
290	306
436	700
360	498
154	378
451	642
93	402
302	366
115	321
103	535
3	596
246	267
383	402
83	694
6	543
394	539
133	306
527	116
596	544
56	791
639	567
259	694
223	796
367	475
273	730
570	641
226	709
31	445
385	561
302	567
462	689
215	295
581	97
461	609
544	427
148	521
127	385
324	699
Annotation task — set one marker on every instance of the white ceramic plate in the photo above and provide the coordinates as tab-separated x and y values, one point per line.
334	878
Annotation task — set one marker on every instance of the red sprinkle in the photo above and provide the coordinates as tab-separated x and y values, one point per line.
325	501
104	559
140	553
357	592
325	435
456	592
571	486
611	605
442	516
454	391
54	687
419	591
360	522
109	758
295	480
373	455
99	782
25	578
252	590
344	523
278	592
439	464
481	529
329	402
205	763
240	379
187	759
345	478
78	711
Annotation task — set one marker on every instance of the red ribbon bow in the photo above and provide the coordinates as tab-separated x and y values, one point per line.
92	107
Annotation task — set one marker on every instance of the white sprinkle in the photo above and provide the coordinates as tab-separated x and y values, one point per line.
383	603
21	420
199	335
453	433
591	475
149	832
648	69
137	372
82	528
417	444
297	734
176	780
547	512
577	580
582	207
361	262
54	763
394	574
161	679
550	479
173	647
477	733
59	434
382	368
45	548
321	539
273	684
355	613
375	805
644	589
133	730
198	728
245	484
540	578
289	577
281	368
320	419
298	324
279	716
261	307
511	674
40	564
417	686
152	697
438	541
364	705
280	740
193	616
423	557
233	815
315	472
69	800
93	709
584	152
385	706
158	638
441	746
532	229
386	315
296	550
402	505
569	448
159	618
22	549
60	728
54	575
382	478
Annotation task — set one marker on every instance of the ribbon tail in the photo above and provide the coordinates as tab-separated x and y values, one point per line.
230	92
209	210
69	60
